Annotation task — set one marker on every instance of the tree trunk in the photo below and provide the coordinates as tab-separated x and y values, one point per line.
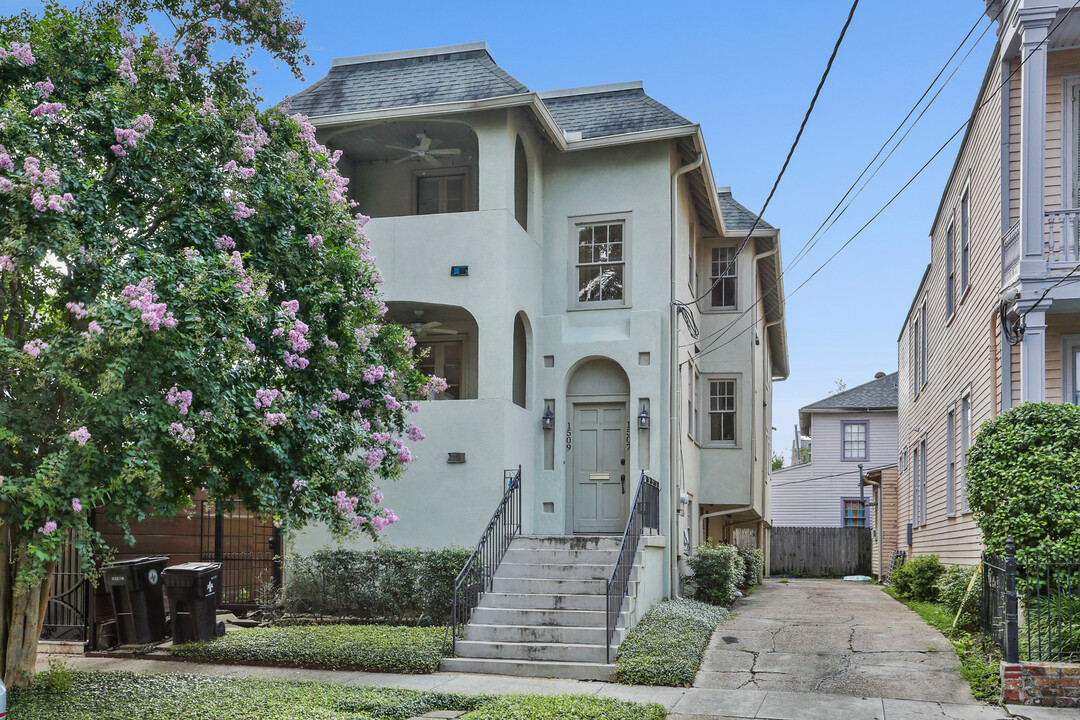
22	612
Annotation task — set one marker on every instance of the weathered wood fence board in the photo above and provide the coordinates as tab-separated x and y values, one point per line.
821	551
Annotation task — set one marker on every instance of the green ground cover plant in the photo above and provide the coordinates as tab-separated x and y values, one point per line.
666	646
375	648
979	657
131	696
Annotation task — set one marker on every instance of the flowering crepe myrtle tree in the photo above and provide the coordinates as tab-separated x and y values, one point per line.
187	300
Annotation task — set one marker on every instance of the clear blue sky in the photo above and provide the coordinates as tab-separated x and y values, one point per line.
745	71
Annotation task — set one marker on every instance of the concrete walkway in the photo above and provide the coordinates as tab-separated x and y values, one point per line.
832	637
681	703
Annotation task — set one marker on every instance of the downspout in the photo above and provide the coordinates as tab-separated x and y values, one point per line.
703	518
673	369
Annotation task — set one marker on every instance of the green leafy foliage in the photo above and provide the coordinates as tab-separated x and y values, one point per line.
917	579
753	566
958	595
1052	627
666	646
360	647
128	696
389	585
718	570
1023	480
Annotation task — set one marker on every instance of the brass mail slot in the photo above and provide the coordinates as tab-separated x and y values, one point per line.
599	476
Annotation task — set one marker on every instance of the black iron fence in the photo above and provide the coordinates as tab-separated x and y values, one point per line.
645	513
1032	609
248	547
476	577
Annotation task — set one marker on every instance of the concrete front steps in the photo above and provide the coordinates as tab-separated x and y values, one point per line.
546	613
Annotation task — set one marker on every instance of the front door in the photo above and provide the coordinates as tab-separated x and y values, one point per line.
599	467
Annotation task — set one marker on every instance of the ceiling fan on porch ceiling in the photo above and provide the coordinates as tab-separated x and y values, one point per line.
423	151
419	327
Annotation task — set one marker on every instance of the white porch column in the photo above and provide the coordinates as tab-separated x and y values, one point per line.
1033	25
1033	357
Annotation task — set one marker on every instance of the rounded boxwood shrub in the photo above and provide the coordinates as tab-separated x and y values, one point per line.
1023	479
917	579
753	566
718	570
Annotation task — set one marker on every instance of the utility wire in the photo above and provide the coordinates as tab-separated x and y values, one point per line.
970	120
787	160
826	477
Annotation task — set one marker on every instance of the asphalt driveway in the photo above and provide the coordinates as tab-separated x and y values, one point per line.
830	636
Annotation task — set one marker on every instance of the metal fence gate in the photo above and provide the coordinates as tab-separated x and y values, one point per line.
70	609
247	546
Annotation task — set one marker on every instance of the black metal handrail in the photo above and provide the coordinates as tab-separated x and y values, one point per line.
476	577
644	513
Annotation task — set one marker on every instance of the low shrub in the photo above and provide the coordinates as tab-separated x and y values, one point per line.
917	579
753	566
362	647
126	696
953	592
384	585
666	646
717	572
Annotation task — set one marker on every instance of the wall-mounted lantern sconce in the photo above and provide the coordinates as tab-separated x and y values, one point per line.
643	419
547	421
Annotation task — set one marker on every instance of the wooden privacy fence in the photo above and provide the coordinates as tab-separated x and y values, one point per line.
820	551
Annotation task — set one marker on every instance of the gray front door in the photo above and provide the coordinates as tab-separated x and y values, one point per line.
598	461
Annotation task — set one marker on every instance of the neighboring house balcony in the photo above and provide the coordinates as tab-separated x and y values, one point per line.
1060	250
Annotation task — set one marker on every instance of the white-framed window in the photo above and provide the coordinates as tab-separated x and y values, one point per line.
442	192
723	277
853	512
855	440
1070	363
918	350
445	359
722	398
600	266
950	272
691	278
965	241
922	481
965	443
693	419
950	463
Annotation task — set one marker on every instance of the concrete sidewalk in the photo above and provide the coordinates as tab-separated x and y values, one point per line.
682	703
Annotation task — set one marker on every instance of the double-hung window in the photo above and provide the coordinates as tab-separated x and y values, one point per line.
965	443
601	263
950	273
950	463
722	411
856	437
723	277
965	238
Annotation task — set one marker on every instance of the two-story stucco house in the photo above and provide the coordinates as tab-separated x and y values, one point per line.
535	242
994	322
848	430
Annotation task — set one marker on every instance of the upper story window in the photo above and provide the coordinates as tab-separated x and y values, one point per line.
950	273
521	185
723	277
442	193
722	411
601	263
445	359
856	436
965	240
918	350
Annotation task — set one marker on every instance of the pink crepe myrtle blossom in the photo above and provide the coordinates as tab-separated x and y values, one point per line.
289	308
58	203
143	298
415	434
362	220
77	309
19	51
48	109
266	398
299	483
45	87
92	329
410	342
35	347
76	505
373	374
271	419
433	386
224	243
404	456
38	176
236	261
376	497
414	408
191	252
381	437
118	150
166	54
6	263
374	458
296	361
5	160
81	436
6	185
340	396
48	528
364	335
365	425
313	241
241	211
186	434
346	504
328	342
184	397
248	345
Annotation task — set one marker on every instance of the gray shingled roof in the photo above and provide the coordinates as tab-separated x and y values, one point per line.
405	82
737	217
879	394
611	113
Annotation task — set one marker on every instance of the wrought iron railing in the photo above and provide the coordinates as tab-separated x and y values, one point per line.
1031	609
476	577
1010	255
644	513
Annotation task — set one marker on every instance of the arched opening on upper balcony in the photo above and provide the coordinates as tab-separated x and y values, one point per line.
410	167
446	344
521	185
522	341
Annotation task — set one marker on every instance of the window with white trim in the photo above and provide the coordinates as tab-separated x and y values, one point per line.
950	463
723	277
965	443
722	410
950	273
855	440
853	512
601	263
965	240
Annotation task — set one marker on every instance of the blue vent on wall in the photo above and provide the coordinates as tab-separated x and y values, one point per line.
459	271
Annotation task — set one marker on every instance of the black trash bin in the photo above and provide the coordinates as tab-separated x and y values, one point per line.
138	604
192	589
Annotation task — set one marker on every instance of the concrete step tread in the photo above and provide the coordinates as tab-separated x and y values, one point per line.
530	668
468	643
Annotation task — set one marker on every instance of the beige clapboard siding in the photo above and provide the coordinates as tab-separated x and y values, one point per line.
960	350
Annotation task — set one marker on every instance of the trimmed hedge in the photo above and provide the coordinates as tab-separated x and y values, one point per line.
666	646
917	579
130	696
375	648
718	570
383	585
753	566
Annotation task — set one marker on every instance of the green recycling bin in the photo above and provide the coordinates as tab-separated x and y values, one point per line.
138	603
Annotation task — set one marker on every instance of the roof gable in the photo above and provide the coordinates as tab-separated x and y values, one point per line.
880	394
736	216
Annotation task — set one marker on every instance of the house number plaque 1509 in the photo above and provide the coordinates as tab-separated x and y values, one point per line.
569	437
